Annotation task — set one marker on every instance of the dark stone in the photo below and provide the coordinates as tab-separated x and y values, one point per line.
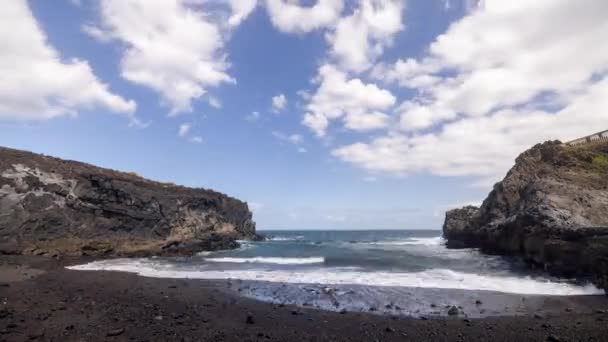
389	330
115	332
249	319
552	338
453	311
35	335
5	313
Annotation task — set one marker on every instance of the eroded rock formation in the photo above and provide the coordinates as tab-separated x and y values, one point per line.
50	206
551	209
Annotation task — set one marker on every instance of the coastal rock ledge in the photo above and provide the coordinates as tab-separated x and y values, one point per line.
55	207
551	209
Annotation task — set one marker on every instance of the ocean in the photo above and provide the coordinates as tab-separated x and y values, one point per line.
406	272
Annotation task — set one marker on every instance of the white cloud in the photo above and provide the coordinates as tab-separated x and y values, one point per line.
366	121
302	150
295	139
184	129
509	75
337	97
170	46
279	102
317	122
240	10
503	58
196	139
356	39
360	38
254	116
214	102
36	84
480	146
290	16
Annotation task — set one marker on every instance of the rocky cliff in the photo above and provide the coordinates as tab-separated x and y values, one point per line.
50	206
551	209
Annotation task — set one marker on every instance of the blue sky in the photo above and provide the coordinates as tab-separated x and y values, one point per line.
370	114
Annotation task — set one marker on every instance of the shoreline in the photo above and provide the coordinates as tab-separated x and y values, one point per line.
41	300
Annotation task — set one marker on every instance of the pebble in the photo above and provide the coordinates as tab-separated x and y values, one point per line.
36	335
249	319
453	311
115	332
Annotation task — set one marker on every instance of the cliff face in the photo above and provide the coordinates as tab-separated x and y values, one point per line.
50	206
551	209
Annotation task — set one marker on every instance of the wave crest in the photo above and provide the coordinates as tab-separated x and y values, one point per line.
432	278
269	260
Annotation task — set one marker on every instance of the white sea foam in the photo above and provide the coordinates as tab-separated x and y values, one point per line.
434	241
270	260
435	278
286	238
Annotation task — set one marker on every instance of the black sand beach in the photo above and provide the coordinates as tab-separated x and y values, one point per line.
42	301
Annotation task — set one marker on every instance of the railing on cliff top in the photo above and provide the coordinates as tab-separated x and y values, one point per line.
593	138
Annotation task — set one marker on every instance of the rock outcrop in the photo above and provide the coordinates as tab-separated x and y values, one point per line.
551	209
54	207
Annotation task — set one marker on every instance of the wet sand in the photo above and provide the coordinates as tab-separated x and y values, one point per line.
40	300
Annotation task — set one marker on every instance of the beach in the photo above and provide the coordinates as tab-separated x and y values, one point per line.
42	300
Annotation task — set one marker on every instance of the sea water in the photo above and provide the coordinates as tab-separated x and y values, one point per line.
393	272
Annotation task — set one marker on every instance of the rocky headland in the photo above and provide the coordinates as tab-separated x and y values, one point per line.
55	207
551	209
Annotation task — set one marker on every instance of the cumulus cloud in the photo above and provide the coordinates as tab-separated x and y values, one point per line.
340	97
171	46
482	146
290	16
509	75
240	10
279	102
36	83
355	39
360	38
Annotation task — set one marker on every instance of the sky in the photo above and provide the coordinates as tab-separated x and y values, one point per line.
326	114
